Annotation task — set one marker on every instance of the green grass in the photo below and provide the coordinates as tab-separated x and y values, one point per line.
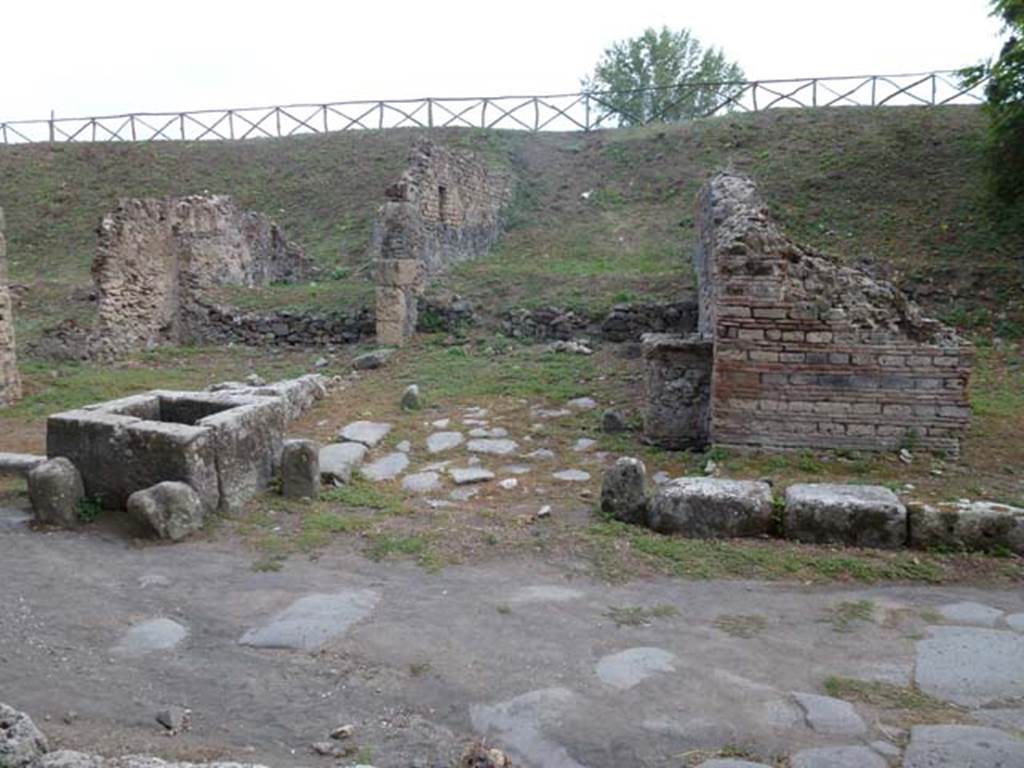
845	616
902	706
360	493
639	615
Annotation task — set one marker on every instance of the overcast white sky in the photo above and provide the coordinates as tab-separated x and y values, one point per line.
88	58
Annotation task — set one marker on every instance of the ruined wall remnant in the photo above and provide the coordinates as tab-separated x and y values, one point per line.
10	381
445	208
678	381
810	353
156	257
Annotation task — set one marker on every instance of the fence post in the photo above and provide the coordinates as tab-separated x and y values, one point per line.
181	123
933	89
380	115
536	115
324	107
483	114
586	110
231	124
52	134
277	119
753	94
430	112
874	84
814	92
131	122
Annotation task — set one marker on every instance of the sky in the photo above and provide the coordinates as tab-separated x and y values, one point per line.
102	57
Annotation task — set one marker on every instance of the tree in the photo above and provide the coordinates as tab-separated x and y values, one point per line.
662	76
1004	91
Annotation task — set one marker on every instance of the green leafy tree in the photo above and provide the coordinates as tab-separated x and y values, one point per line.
662	76
1004	90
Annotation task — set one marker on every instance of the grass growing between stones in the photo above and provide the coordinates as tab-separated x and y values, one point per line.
898	706
845	616
639	615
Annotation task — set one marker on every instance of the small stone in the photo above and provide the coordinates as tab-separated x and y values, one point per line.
369	433
300	469
170	509
405	446
515	469
255	380
371	360
465	476
473	461
482	432
660	478
583	404
343	732
321	362
830	716
55	489
496	447
21	744
544	511
613	421
441	423
584	444
478	755
338	460
541	454
837	757
411	398
906	456
622	491
572	475
463	494
386	467
711	468
175	719
325	749
443	441
509	483
422	482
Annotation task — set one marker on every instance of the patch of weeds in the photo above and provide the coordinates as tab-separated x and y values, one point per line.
809	463
363	494
930	615
718	454
364	756
419	668
741	625
906	706
318	528
88	508
639	615
843	616
268	563
385	545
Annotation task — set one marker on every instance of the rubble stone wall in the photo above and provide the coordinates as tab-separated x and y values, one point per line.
445	208
10	381
156	256
810	353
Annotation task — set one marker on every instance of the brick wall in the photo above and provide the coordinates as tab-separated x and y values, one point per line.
10	381
810	353
446	208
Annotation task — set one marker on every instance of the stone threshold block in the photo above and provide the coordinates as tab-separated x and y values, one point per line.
857	515
972	525
707	508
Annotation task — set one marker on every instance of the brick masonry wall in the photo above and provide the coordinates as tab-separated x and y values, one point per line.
155	256
810	353
10	380
445	208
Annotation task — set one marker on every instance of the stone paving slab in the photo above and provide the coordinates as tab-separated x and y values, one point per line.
160	634
387	467
971	666
369	433
313	620
962	746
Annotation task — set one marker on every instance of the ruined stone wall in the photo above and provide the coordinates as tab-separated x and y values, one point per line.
10	381
155	256
445	208
809	353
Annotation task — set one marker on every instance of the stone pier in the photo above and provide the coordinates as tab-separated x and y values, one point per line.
10	381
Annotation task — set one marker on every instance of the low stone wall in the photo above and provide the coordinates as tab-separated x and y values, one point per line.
10	380
811	353
156	256
446	208
625	322
678	382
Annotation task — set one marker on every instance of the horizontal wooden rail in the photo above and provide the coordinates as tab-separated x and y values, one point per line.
581	111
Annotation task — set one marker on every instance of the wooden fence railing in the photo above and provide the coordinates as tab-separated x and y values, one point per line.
583	111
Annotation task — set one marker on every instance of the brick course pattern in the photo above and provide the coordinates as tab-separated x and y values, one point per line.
10	381
445	208
156	256
810	353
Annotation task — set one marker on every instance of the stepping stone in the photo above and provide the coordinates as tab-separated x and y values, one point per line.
541	454
369	433
583	404
1016	622
584	444
475	412
970	613
370	360
422	482
971	666
520	725
631	667
312	621
495	432
572	475
405	446
827	715
545	593
443	441
708	507
838	757
473	461
551	413
515	469
386	467
441	423
463	494
509	483
149	636
859	515
728	762
493	446
960	746
468	475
